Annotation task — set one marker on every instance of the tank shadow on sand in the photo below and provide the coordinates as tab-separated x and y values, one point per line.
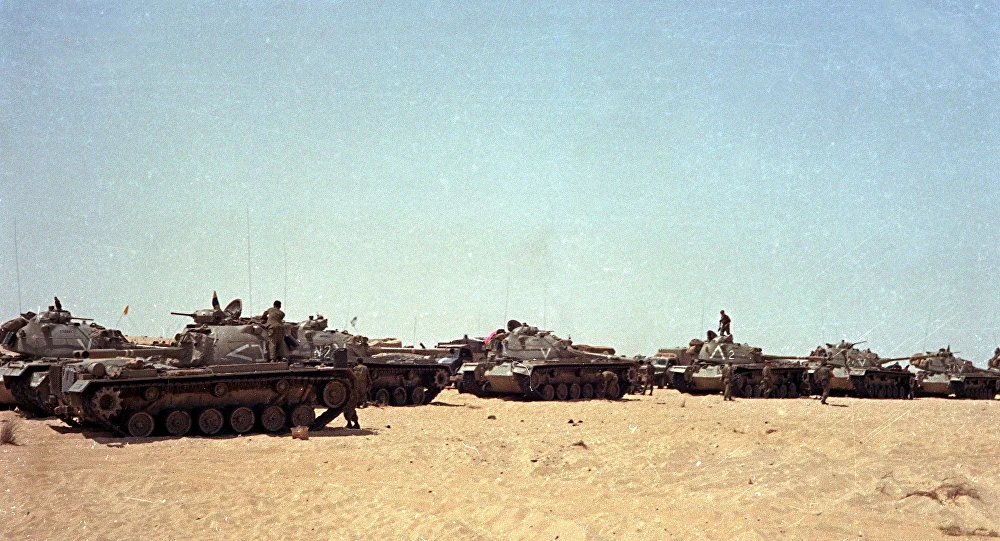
104	437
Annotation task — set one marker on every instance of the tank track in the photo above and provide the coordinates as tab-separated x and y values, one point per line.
879	384
559	384
27	398
134	399
403	391
981	388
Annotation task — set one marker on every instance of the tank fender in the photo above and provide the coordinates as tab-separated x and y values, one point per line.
519	368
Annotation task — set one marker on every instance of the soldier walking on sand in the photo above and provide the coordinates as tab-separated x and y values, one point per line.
824	375
362	383
728	375
724	322
274	322
766	380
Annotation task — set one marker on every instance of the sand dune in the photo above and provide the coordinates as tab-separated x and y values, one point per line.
667	466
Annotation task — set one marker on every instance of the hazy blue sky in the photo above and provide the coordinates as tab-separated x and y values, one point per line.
615	171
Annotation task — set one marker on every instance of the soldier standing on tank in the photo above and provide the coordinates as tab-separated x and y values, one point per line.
824	375
766	380
728	377
362	383
274	322
608	380
995	361
724	322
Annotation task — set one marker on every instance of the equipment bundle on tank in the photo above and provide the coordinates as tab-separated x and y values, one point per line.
941	373
701	365
861	373
537	364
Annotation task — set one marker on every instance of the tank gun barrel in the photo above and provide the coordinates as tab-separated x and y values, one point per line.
182	314
791	358
82	318
173	352
893	360
416	351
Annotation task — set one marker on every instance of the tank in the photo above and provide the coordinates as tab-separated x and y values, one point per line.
699	369
399	375
861	373
30	342
942	373
537	364
214	379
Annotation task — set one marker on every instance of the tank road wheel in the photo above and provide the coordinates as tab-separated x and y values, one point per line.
140	425
614	391
210	421
272	418
562	391
587	392
382	397
177	423
574	391
241	420
334	394
547	392
441	379
303	415
281	386
417	396
399	396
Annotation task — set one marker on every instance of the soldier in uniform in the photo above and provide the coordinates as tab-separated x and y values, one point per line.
824	375
766	380
724	322
274	322
995	361
650	377
728	377
608	380
362	384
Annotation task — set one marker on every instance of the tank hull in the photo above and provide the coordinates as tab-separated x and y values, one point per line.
789	380
403	379
185	401
866	382
982	387
547	380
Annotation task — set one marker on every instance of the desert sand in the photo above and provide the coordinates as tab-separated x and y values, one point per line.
670	466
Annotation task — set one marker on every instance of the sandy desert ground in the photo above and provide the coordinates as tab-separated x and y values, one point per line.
670	466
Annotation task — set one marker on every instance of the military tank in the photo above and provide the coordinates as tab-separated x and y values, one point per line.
399	375
214	377
699	369
942	373
533	363
31	342
861	373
